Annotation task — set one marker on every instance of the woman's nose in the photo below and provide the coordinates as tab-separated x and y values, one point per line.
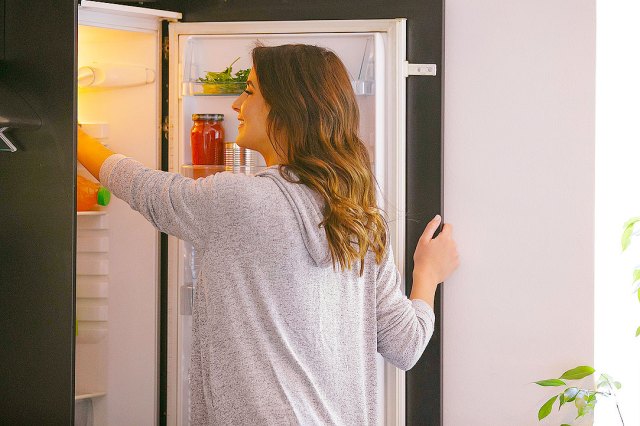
237	103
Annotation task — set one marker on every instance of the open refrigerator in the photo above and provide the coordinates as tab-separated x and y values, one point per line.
121	52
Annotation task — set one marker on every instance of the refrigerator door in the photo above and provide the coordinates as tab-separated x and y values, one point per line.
374	54
118	304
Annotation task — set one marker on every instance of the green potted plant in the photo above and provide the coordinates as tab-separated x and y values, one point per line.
584	399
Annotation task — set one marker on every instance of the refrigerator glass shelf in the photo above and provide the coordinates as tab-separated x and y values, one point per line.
89	395
197	88
92	213
203	170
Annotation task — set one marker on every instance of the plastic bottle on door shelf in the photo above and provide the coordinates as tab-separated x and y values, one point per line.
90	194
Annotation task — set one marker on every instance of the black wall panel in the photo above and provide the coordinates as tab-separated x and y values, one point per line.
37	218
1	30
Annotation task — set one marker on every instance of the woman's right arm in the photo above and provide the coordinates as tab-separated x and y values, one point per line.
91	153
172	203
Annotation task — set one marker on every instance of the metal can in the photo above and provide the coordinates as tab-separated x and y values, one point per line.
207	139
236	157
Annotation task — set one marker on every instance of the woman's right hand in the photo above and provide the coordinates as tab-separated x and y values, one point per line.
434	260
91	153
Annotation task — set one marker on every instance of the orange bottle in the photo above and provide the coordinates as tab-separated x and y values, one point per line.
90	194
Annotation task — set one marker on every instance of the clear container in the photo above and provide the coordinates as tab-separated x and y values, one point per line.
196	88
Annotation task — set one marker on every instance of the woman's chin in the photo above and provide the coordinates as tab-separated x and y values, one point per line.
240	142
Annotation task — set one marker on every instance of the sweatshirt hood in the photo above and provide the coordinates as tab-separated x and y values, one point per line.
307	206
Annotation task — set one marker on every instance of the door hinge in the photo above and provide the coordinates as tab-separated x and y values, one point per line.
418	69
165	127
165	48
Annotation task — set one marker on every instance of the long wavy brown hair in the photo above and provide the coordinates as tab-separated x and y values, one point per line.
313	123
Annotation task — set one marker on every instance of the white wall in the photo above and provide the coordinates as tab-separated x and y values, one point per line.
617	180
519	191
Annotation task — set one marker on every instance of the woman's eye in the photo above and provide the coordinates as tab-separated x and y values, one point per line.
248	92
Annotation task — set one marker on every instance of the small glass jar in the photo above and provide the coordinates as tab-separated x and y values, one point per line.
207	139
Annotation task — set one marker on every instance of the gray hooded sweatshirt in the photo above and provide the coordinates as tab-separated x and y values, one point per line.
279	336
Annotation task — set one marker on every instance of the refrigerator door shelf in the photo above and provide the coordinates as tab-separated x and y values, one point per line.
197	88
201	57
90	334
92	313
89	395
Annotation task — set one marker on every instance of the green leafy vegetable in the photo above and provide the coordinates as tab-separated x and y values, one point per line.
225	82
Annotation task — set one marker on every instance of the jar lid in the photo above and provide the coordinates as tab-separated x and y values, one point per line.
214	117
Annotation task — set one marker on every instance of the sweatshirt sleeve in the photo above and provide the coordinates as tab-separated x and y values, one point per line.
404	326
174	204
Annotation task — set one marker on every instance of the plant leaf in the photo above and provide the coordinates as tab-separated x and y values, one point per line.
551	382
561	400
582	410
638	332
546	408
628	230
639	295
570	394
565	424
618	385
636	275
579	372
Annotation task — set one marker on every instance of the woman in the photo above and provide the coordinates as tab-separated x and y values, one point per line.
297	289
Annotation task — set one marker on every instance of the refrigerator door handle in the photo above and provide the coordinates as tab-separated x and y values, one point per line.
9	146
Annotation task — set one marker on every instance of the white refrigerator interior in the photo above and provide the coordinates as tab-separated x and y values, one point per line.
371	51
117	274
120	52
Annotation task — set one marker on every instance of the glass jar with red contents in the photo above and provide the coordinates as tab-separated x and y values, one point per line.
207	139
